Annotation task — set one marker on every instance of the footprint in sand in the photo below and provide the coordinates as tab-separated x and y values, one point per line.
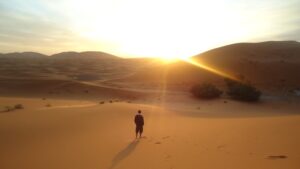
221	146
167	156
275	157
158	142
166	137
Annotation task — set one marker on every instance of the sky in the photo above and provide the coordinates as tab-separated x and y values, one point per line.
143	28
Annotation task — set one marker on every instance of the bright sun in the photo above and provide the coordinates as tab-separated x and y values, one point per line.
170	59
166	29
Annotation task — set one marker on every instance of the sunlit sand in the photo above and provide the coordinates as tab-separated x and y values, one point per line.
214	89
218	135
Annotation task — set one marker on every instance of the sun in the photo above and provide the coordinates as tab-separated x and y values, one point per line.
137	28
172	59
168	59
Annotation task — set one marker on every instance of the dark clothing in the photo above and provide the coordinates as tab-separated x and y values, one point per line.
139	129
139	122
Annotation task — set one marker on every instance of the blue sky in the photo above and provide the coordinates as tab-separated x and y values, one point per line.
133	28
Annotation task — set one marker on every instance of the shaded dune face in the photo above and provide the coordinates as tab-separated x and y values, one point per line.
264	64
64	89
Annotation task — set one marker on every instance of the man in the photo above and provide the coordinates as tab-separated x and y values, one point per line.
139	122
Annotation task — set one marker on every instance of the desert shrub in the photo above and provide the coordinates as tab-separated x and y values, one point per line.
206	91
48	105
102	102
19	106
242	91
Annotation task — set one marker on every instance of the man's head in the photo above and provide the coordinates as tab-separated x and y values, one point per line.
139	111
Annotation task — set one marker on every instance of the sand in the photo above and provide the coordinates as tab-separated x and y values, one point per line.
79	134
69	129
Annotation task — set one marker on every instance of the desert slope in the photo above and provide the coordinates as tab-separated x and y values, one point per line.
64	89
288	51
269	65
83	134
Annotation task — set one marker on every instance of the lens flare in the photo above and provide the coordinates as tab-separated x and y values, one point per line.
208	68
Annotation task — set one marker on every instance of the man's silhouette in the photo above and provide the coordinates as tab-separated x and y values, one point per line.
139	122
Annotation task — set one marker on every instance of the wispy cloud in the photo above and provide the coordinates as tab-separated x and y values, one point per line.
31	25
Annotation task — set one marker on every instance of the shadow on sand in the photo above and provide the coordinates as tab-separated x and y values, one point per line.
123	154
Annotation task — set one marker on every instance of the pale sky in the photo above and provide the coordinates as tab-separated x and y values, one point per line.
136	28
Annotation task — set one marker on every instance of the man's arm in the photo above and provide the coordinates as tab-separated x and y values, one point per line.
135	119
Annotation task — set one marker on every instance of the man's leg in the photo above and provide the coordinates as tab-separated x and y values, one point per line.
141	131
136	131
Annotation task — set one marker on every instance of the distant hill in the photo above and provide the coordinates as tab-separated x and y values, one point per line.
18	55
267	64
85	66
62	55
288	51
80	55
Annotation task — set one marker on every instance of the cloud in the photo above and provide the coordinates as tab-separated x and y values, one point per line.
33	26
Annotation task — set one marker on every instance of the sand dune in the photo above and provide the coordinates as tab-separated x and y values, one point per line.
269	65
79	108
274	63
64	89
102	136
272	66
83	55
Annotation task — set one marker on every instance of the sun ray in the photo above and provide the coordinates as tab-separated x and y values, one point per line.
164	86
209	68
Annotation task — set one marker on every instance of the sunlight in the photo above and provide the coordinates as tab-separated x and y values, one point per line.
209	68
170	59
145	29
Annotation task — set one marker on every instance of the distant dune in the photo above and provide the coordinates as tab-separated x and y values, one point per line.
66	66
62	55
19	55
272	66
89	55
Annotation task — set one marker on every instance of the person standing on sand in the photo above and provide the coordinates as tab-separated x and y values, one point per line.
139	122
